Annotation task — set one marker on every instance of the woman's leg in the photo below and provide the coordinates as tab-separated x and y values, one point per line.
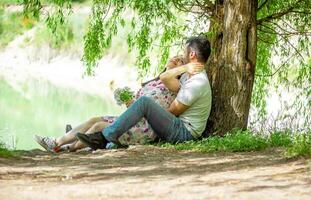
70	137
98	126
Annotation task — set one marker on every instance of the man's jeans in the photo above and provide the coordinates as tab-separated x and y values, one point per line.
166	125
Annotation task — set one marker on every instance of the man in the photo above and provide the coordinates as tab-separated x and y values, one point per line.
186	117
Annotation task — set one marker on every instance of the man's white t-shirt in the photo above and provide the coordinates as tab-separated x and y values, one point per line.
195	91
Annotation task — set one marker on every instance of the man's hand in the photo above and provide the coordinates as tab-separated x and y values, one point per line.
194	68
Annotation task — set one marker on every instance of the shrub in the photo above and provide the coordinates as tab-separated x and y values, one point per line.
301	146
4	152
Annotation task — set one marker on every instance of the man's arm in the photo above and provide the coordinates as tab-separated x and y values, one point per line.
177	108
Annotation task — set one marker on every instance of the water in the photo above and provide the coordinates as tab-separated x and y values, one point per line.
37	107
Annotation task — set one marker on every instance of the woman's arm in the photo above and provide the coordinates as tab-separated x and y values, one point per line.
169	78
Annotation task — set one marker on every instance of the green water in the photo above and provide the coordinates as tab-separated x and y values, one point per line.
41	108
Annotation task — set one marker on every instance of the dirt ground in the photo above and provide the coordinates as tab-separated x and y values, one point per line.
146	172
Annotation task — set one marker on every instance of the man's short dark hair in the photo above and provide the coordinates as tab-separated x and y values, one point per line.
201	45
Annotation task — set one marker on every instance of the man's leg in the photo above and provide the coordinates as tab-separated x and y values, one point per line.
166	125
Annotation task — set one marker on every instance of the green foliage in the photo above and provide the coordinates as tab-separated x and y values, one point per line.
280	139
9	2
123	95
67	36
33	2
62	37
4	152
13	24
300	146
283	49
145	20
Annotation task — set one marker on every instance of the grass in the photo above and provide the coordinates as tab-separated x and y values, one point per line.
244	141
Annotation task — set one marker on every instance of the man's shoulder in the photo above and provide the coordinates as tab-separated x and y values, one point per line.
200	79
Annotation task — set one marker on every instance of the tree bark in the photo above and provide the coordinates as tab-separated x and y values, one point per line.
231	67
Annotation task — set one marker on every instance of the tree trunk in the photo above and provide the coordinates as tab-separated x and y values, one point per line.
231	66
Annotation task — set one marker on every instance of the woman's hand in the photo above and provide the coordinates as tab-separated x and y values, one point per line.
194	68
130	102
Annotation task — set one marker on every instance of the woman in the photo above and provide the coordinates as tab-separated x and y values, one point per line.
141	133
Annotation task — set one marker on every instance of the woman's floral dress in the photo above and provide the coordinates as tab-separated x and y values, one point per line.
142	133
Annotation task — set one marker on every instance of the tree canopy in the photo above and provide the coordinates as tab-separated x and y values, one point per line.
283	32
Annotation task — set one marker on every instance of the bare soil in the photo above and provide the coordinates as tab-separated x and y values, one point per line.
147	172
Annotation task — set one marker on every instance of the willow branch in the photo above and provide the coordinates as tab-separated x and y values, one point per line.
197	8
278	14
262	5
207	6
278	69
295	49
274	16
284	31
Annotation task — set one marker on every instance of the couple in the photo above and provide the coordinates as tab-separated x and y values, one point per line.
172	120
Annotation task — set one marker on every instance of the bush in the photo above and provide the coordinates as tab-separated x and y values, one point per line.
4	152
280	139
300	146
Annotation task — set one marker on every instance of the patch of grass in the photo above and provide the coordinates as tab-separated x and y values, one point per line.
243	141
300	146
237	141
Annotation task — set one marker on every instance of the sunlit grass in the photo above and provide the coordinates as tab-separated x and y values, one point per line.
294	145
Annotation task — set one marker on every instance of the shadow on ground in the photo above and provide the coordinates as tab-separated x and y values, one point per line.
140	161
